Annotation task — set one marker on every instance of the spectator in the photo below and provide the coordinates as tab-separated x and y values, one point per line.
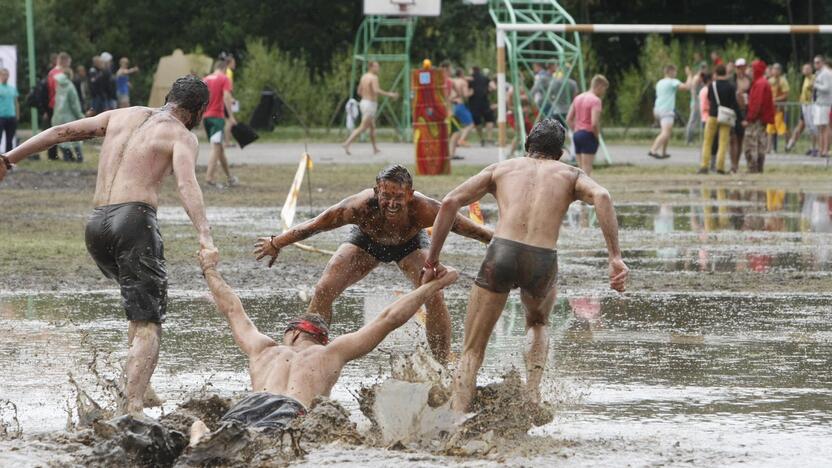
823	103
806	122
721	93
541	84
780	91
82	87
584	117
704	107
99	84
219	103
110	88
760	113
9	110
231	66
563	92
716	59
481	87
123	82
67	109
696	115
664	108
742	83
62	61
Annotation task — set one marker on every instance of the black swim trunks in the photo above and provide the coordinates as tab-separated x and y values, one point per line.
388	253
509	264
125	242
264	411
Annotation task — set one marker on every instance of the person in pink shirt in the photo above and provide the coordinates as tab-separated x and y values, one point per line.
705	106
220	102
584	119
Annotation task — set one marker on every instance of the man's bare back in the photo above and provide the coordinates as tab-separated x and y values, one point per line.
368	86
460	90
137	153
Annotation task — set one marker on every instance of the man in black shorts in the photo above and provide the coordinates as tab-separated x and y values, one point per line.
287	377
141	146
480	104
533	195
389	221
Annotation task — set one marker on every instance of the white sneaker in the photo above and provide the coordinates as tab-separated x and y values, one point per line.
233	181
216	185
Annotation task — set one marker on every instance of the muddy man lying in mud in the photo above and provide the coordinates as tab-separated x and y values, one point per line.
286	377
389	226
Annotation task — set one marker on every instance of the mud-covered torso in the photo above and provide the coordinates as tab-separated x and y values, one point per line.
372	222
136	154
301	374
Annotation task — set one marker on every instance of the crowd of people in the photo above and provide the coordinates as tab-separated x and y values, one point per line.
742	110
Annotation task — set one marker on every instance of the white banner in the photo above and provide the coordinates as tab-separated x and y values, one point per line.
8	60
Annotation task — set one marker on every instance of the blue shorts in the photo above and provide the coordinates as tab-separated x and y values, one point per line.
463	115
585	142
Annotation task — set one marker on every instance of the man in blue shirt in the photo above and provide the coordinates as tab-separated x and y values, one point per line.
665	108
9	110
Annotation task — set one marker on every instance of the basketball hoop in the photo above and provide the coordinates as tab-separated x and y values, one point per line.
402	7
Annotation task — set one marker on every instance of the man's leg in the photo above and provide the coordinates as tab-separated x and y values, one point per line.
438	323
142	356
537	338
216	149
484	308
707	141
224	161
365	121
489	131
465	132
348	266
585	161
667	132
373	136
724	142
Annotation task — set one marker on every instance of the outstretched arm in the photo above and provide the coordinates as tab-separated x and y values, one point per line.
333	217
250	341
592	193
382	92
83	129
429	208
185	152
354	345
470	191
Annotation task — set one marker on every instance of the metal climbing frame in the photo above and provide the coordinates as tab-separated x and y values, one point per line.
530	46
387	40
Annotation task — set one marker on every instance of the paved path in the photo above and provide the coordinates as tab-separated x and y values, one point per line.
332	153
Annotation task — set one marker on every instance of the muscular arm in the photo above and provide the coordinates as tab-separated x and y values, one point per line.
83	129
354	345
246	335
589	191
184	167
463	226
470	191
332	218
596	121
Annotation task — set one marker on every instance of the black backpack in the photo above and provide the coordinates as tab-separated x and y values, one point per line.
38	97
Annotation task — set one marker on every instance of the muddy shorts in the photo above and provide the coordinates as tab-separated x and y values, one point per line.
125	242
388	253
264	411
509	264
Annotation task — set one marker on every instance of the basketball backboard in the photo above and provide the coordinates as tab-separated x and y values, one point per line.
402	7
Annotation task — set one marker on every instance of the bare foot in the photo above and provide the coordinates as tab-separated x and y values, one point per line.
346	149
151	399
376	150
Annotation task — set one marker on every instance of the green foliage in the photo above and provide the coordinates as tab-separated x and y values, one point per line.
630	91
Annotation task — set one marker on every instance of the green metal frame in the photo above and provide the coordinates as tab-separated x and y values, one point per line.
523	49
387	39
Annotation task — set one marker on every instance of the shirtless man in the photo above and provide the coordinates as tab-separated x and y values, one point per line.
742	82
533	195
368	90
141	146
463	121
286	377
389	226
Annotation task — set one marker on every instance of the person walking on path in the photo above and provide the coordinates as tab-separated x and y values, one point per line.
823	103
123	82
369	90
219	104
9	110
760	113
664	108
584	118
67	109
721	94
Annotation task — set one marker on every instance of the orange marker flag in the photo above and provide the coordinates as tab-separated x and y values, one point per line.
475	213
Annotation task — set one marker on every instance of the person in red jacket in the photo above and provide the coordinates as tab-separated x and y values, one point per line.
760	113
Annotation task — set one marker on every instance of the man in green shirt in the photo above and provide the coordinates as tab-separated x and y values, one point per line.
9	110
665	108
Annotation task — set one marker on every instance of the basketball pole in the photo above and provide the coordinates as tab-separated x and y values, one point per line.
501	93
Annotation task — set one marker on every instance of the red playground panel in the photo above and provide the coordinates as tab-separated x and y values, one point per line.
430	123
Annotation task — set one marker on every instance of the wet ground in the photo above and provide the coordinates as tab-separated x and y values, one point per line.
721	359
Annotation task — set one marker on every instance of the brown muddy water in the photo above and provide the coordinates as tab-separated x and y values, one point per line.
675	377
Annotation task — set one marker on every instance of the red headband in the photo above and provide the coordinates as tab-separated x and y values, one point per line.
309	327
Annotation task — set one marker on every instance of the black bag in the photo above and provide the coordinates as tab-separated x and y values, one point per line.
39	96
243	134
